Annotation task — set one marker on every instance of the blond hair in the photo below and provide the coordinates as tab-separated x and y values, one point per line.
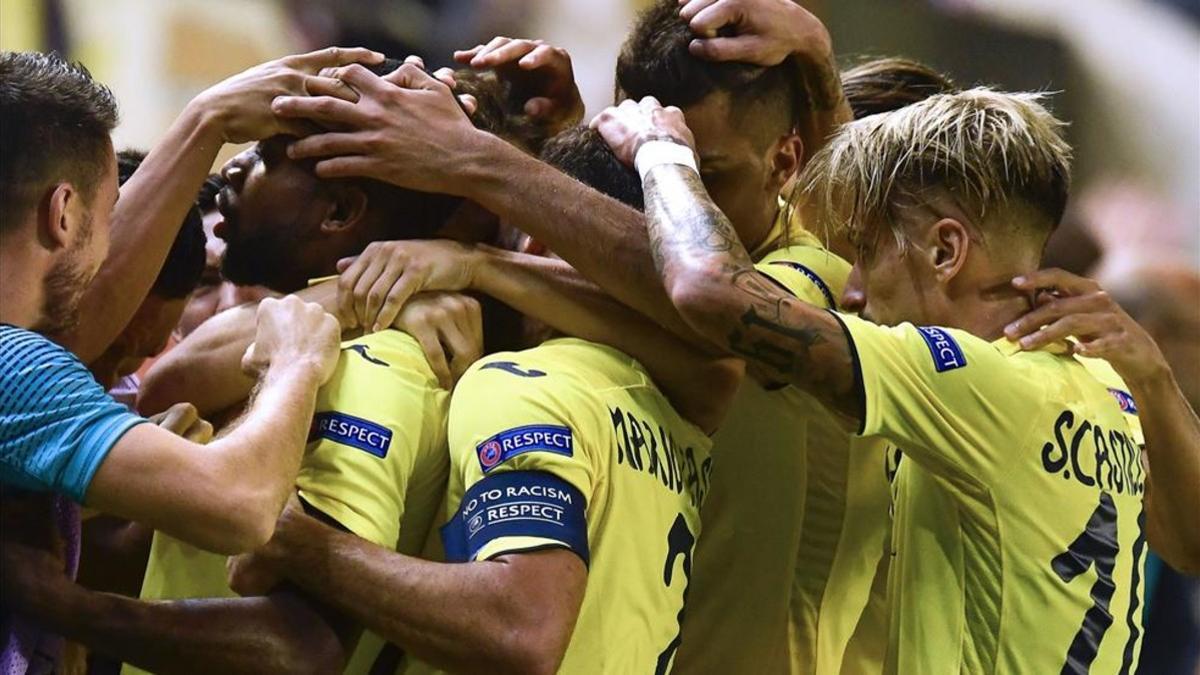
992	152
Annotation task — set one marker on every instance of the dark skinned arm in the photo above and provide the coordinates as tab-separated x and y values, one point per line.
512	614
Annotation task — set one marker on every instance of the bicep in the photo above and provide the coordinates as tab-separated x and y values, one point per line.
155	477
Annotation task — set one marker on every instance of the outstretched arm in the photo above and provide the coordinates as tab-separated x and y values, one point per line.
280	633
1079	308
154	201
380	281
512	614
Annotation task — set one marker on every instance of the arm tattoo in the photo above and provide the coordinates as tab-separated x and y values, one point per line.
683	220
789	339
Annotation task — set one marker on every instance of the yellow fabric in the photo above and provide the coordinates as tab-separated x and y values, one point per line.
795	522
392	501
1008	460
641	467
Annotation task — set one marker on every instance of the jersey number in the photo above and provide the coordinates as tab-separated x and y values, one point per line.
1097	545
680	541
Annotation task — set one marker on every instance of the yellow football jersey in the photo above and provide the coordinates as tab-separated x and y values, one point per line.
571	445
1019	530
795	522
376	462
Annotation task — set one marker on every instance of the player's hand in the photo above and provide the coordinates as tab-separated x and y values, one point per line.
293	333
626	127
241	105
407	130
762	32
257	573
540	74
449	327
182	419
375	285
1073	306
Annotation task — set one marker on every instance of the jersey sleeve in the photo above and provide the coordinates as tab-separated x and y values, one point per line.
377	429
521	441
943	396
57	425
812	274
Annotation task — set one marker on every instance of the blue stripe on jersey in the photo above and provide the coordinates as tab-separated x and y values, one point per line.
57	424
813	277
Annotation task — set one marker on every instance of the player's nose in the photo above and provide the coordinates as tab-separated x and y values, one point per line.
854	297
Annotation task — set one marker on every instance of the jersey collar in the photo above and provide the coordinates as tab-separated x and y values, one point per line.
787	230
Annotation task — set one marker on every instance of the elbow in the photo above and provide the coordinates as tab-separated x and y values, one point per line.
243	524
706	300
533	647
156	393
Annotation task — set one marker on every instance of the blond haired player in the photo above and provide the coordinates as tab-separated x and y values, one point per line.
1020	500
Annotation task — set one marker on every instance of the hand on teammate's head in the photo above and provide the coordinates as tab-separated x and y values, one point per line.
242	103
762	32
626	127
540	74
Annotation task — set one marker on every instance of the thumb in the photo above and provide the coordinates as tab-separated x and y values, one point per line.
345	263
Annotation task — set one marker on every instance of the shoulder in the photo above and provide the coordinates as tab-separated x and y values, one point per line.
389	355
812	273
34	368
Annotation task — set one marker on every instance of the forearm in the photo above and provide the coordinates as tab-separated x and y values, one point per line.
828	107
144	224
205	369
460	617
711	280
554	293
275	634
1172	434
575	222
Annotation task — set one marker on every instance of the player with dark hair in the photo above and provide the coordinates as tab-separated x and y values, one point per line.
59	433
883	85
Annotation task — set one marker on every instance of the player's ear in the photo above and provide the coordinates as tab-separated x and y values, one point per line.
55	229
948	244
347	206
788	153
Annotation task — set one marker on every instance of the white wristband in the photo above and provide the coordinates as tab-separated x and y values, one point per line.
655	153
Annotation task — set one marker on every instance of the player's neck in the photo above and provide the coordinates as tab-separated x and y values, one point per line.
21	279
987	310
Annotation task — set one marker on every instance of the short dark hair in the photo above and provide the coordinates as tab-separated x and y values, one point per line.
181	271
655	61
582	154
887	84
55	122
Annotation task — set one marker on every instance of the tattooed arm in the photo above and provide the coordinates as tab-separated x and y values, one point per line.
711	280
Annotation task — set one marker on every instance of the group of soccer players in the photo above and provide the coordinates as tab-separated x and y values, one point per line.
756	373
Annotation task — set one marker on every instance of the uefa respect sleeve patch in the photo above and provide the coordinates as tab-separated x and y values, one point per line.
520	440
517	504
355	432
1125	400
947	355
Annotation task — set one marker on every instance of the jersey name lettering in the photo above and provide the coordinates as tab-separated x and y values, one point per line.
1095	457
651	449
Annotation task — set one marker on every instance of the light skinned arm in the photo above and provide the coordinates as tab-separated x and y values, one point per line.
512	614
378	283
154	201
225	496
1079	308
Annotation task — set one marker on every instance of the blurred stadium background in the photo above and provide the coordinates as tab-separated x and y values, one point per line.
1126	75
